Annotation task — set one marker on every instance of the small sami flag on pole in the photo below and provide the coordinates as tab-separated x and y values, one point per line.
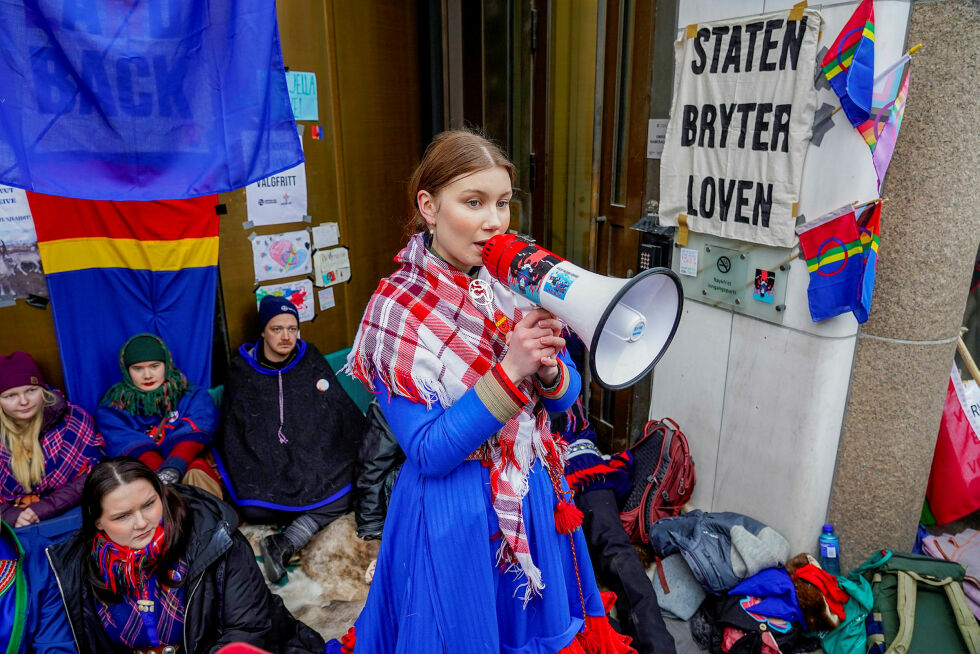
850	63
880	131
832	248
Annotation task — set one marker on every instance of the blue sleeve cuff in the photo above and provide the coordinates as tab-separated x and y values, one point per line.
176	463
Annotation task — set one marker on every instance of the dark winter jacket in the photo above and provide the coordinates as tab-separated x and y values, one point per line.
379	460
305	459
226	599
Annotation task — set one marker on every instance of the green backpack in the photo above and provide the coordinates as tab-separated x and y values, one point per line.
919	606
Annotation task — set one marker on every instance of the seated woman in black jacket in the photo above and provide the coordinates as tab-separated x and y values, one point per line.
155	566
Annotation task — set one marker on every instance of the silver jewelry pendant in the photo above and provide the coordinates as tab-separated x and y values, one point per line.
481	293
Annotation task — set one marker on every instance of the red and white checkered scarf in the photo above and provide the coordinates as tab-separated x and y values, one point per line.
426	340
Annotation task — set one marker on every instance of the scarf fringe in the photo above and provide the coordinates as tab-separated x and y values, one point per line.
418	389
527	575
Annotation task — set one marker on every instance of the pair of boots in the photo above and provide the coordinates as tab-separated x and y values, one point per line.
276	552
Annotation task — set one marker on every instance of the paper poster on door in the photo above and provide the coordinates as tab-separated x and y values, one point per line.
20	261
299	293
280	198
326	235
331	266
327	299
302	95
275	256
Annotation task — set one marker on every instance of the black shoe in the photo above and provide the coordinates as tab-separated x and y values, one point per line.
276	552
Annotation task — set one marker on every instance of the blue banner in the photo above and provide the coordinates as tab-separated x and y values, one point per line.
97	310
143	99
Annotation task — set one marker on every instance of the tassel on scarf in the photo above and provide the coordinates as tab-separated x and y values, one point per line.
348	641
568	517
598	637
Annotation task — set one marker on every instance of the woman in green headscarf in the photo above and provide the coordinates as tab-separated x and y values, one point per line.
153	414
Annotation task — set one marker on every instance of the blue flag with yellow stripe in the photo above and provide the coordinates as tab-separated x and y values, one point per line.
120	268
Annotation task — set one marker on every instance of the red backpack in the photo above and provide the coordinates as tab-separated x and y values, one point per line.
663	478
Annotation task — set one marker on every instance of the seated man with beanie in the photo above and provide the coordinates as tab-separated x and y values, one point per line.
289	437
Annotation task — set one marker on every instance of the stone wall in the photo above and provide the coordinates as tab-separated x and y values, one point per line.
929	235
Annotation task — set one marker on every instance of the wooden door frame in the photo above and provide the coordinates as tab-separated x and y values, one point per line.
616	244
540	124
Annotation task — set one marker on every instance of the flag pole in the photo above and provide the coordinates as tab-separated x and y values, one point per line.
914	49
971	365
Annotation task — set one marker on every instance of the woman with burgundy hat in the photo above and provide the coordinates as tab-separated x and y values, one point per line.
47	446
154	414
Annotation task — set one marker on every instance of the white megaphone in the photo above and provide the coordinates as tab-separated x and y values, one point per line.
626	324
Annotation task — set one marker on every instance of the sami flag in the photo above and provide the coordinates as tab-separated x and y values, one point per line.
868	219
850	63
832	248
115	269
880	131
142	99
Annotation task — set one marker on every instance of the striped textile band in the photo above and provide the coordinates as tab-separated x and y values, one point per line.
8	573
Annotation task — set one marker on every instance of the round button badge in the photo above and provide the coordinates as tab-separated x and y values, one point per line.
322	385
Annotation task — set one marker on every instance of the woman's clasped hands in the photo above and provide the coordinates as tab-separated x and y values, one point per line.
533	347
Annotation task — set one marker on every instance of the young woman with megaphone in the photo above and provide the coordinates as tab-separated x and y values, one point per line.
481	551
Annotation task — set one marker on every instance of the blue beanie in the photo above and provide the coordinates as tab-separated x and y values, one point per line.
273	305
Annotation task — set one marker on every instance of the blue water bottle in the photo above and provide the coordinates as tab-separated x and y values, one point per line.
830	550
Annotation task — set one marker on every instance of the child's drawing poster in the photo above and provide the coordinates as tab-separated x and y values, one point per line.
300	293
275	256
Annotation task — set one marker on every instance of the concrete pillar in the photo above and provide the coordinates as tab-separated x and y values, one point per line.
929	235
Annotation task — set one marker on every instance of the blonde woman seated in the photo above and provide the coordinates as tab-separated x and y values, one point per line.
47	446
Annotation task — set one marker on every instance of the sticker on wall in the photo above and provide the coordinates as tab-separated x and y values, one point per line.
689	262
299	293
275	256
765	285
331	266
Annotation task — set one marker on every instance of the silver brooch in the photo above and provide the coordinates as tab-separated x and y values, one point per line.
481	293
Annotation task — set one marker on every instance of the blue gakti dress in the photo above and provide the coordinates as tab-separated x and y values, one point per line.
438	586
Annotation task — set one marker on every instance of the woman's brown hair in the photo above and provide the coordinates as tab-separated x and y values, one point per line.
451	154
107	477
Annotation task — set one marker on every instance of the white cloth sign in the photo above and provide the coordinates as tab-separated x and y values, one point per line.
279	198
739	126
